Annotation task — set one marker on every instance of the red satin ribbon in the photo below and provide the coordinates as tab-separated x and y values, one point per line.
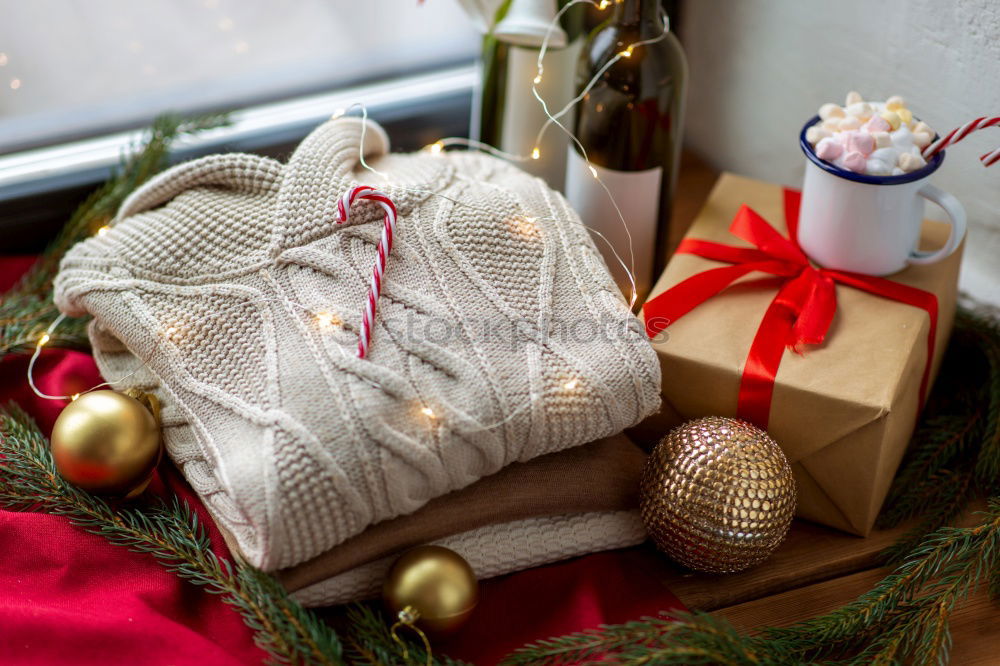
800	313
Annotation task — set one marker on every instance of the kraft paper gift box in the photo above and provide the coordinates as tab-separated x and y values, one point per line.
842	411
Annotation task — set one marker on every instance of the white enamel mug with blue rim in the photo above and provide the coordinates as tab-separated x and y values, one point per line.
870	224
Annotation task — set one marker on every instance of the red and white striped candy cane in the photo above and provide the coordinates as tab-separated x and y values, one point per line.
960	133
382	253
991	157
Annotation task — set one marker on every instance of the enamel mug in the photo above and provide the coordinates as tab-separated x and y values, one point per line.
870	224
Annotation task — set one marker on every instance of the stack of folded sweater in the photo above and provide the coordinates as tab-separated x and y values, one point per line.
501	348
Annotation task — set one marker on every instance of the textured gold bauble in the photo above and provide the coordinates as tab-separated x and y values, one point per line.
108	442
437	583
717	495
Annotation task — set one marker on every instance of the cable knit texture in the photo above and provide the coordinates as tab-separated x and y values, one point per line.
497	317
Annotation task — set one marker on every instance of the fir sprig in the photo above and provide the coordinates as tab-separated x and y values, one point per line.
170	533
369	641
27	309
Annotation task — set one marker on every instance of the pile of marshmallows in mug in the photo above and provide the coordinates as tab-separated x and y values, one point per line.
874	138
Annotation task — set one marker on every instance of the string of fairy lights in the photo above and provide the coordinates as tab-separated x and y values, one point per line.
527	226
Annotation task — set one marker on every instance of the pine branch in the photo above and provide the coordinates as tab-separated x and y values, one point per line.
171	534
27	309
370	641
684	638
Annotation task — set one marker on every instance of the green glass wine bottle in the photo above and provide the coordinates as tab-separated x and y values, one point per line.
630	126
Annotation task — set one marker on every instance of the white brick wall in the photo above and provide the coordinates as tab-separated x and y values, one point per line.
761	68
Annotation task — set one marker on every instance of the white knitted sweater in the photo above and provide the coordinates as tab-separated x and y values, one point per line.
500	318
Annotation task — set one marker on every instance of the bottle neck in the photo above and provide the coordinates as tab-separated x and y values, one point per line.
640	14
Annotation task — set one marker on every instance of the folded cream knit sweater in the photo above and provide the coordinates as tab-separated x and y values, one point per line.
497	316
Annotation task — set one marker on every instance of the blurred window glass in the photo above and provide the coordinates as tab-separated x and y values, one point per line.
74	68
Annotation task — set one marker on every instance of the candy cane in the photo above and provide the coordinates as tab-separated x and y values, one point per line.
960	133
382	253
990	158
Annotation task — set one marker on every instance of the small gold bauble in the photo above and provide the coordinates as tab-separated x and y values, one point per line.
437	583
108	442
717	495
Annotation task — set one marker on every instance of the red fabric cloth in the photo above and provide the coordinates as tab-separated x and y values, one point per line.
69	597
562	598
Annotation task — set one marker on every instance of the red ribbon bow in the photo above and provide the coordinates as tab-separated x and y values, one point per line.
800	313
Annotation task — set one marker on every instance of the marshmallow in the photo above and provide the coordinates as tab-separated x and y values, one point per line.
887	155
829	149
860	110
815	133
828	111
922	139
877	138
861	142
902	137
848	123
855	162
877	168
877	124
892	118
909	162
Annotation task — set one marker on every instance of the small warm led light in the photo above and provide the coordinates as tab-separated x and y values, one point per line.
171	331
604	5
15	84
42	341
74	396
103	230
327	319
526	227
571	384
437	147
536	153
338	113
627	53
538	79
593	171
428	412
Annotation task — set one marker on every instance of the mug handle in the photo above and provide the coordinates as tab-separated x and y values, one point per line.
956	218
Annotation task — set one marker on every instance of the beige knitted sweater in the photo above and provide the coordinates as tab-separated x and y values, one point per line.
497	316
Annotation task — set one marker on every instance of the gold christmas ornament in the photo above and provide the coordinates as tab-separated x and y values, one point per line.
717	495
108	442
433	587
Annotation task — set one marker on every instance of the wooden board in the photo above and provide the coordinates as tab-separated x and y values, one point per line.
975	625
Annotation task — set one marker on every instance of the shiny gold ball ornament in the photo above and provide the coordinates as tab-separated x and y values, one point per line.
433	584
108	442
717	495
